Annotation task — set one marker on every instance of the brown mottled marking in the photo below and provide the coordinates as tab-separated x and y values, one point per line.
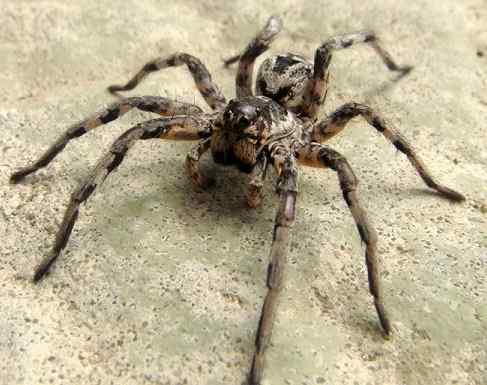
318	155
208	89
335	122
156	104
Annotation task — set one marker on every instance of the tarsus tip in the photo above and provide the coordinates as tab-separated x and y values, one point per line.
16	177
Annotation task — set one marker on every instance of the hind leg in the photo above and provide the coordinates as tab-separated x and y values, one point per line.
179	127
317	155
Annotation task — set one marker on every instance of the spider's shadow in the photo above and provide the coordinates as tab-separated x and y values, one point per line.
384	87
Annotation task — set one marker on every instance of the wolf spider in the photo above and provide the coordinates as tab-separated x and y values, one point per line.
279	126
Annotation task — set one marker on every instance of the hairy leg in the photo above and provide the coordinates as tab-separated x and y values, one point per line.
256	182
317	155
256	47
180	127
159	105
335	122
287	190
192	164
316	88
208	89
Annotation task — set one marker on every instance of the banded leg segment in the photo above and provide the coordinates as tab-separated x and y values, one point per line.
257	46
192	164
208	89
287	190
317	155
158	105
335	122
165	128
256	182
316	89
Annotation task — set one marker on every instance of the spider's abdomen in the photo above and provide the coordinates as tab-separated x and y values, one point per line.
283	79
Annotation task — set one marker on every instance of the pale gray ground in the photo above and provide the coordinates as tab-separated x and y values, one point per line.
163	285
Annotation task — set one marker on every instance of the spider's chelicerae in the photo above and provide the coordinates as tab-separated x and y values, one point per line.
278	126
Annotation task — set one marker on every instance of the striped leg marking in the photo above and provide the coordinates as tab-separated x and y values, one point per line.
257	46
287	189
317	155
159	105
164	128
335	122
316	89
256	182
192	164
208	89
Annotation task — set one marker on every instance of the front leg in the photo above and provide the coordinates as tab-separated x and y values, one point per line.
287	188
316	89
156	104
256	182
317	155
192	164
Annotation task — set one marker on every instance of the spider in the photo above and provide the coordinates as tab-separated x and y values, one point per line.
277	126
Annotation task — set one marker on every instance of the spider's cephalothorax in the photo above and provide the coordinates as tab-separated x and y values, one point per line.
278	128
246	127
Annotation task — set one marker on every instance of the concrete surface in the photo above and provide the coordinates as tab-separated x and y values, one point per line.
163	285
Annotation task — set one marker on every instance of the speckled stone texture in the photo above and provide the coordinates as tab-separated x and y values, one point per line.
164	285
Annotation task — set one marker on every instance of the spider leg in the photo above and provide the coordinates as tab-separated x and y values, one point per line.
178	128
235	58
192	164
256	182
316	89
335	122
159	105
208	89
287	189
231	60
317	155
256	47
